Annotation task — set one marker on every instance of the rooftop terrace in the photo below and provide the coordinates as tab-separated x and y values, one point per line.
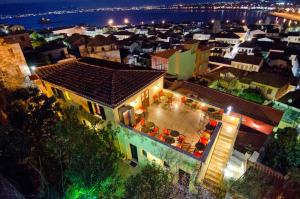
183	124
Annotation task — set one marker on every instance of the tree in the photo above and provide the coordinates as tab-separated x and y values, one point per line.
151	182
291	185
282	151
87	154
36	115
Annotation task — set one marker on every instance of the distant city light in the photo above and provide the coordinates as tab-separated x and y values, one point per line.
110	22
126	21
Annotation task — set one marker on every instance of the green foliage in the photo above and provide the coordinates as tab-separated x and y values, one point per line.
110	188
252	95
152	182
37	40
282	152
65	153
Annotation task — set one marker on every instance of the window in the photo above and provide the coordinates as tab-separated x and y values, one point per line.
269	91
144	153
57	93
166	165
96	109
67	95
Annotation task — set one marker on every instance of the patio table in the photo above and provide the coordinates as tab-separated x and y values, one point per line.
164	98
170	140
211	110
189	101
174	133
209	127
199	146
145	129
150	125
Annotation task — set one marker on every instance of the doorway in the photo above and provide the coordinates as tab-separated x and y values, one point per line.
145	98
134	153
184	178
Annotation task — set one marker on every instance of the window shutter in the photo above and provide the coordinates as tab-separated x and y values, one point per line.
90	107
102	113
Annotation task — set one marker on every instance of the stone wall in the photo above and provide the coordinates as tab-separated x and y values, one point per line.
13	67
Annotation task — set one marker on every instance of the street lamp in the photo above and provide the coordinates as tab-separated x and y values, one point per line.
126	21
163	21
213	21
110	22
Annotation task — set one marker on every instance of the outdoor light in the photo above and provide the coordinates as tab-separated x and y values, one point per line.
142	23
163	21
110	22
213	21
33	68
228	110
126	21
227	21
260	21
152	22
243	21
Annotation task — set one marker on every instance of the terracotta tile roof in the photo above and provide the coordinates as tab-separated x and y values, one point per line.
248	59
165	54
109	83
249	138
263	113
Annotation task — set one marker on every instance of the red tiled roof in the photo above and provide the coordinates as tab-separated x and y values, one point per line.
109	83
263	113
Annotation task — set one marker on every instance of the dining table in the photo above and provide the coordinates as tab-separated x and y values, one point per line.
200	146
174	133
170	140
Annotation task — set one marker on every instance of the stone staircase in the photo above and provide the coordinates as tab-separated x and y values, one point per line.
220	156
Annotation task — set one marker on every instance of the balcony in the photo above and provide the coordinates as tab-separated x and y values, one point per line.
183	124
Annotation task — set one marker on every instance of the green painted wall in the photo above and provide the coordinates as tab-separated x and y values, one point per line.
182	64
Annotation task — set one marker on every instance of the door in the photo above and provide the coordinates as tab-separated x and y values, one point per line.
134	153
145	99
184	178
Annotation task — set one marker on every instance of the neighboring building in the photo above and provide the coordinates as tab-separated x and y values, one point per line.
48	53
272	86
247	47
13	68
101	47
122	94
70	30
121	35
290	104
229	38
202	56
293	37
247	62
21	37
201	36
177	62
